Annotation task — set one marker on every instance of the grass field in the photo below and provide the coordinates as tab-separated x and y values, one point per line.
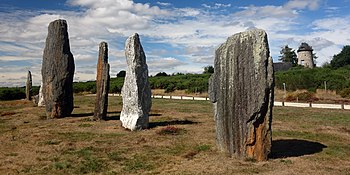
181	140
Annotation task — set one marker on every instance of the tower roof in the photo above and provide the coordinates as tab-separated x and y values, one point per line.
304	47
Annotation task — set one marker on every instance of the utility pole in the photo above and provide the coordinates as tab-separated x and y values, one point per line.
325	86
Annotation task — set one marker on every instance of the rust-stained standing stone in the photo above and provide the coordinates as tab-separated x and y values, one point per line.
242	92
29	86
57	71
102	83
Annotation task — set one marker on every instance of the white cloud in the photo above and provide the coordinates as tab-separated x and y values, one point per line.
168	64
191	33
164	3
216	6
302	4
334	29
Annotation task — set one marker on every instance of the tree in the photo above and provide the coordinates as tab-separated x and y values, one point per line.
161	74
288	55
208	70
122	73
341	59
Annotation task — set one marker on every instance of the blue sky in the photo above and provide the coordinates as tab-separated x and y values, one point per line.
177	35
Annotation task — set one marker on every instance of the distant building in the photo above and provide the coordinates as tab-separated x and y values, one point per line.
282	66
305	56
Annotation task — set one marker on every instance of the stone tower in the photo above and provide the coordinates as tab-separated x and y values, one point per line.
305	56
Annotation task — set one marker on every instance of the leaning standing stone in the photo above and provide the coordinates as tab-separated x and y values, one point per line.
102	83
57	71
29	86
242	92
136	91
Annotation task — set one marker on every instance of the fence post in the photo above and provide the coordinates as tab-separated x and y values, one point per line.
193	97
342	106
282	103
170	96
181	97
310	104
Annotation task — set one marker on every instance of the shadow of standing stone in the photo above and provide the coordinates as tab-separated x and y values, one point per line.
294	148
58	71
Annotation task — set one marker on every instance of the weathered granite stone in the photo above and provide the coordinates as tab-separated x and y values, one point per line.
102	83
242	92
57	71
29	86
136	91
41	101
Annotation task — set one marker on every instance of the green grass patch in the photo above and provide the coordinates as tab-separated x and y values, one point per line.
339	151
116	156
171	130
203	147
137	163
323	137
62	165
82	136
91	164
85	125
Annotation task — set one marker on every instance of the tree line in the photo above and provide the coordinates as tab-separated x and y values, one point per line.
336	76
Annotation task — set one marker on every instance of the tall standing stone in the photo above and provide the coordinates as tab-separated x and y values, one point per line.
57	71
102	83
136	91
41	101
242	92
29	86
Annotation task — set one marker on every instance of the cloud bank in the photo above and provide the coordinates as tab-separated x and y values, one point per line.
174	39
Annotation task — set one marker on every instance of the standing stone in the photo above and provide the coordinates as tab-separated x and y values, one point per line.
102	83
242	92
41	101
57	71
29	86
136	91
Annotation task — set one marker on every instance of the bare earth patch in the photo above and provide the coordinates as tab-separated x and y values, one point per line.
181	140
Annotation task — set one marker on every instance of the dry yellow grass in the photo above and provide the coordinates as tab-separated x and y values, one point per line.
178	93
306	141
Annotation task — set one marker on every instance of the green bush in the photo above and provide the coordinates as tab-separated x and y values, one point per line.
312	79
345	93
12	93
170	88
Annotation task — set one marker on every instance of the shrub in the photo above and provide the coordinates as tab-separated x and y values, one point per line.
12	93
170	88
302	96
307	96
345	93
